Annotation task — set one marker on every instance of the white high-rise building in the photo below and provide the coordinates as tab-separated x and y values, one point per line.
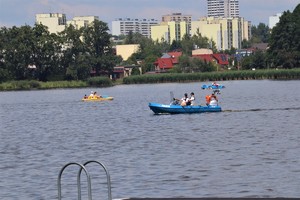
124	26
223	8
273	20
57	22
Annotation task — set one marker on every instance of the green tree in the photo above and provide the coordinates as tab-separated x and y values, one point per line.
259	60
247	62
187	45
97	43
284	43
148	52
46	52
260	34
148	63
129	39
16	48
176	46
4	74
203	42
74	60
185	64
135	71
246	44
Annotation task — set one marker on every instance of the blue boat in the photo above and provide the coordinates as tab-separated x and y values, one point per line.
212	87
158	108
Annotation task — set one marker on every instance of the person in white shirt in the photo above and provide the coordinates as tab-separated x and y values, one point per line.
192	99
184	100
91	95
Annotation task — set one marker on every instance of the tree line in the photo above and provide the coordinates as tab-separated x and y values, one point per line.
32	53
283	44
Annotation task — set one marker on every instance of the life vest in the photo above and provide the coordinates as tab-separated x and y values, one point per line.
207	97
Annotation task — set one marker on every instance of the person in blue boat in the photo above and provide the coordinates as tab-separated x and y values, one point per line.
185	101
215	84
211	97
175	102
192	99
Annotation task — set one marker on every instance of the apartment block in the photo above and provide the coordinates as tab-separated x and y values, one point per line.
274	19
227	33
177	17
126	50
169	31
57	22
82	21
123	26
223	8
160	32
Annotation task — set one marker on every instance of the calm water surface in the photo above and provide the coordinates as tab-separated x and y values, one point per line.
252	149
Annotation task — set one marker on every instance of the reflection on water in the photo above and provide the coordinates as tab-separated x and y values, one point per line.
249	150
260	109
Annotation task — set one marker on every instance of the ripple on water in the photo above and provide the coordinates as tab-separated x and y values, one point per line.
250	150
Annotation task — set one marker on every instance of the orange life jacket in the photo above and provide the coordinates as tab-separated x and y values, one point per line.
207	97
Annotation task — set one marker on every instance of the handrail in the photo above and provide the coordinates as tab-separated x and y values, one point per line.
107	176
88	179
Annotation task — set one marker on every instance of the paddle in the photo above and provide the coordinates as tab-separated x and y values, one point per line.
171	96
173	101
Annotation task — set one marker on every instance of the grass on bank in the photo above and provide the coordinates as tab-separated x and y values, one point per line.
282	74
33	84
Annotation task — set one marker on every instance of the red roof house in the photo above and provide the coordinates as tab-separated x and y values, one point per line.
167	61
220	59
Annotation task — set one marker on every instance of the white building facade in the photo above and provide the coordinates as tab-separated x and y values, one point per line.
57	22
123	26
227	33
273	20
82	21
223	8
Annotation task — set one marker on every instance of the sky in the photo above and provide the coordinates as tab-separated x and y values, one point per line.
22	12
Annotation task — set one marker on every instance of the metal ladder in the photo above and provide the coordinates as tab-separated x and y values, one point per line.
82	167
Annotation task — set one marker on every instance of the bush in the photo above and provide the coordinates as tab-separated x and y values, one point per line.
214	76
34	84
99	81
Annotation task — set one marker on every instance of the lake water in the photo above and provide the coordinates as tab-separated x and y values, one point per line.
252	149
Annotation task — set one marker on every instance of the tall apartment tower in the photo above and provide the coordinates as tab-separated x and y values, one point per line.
125	25
56	22
223	8
178	17
180	27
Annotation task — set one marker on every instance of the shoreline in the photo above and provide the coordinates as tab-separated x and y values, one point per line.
274	74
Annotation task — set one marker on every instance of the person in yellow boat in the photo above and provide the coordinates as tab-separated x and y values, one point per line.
96	95
91	95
